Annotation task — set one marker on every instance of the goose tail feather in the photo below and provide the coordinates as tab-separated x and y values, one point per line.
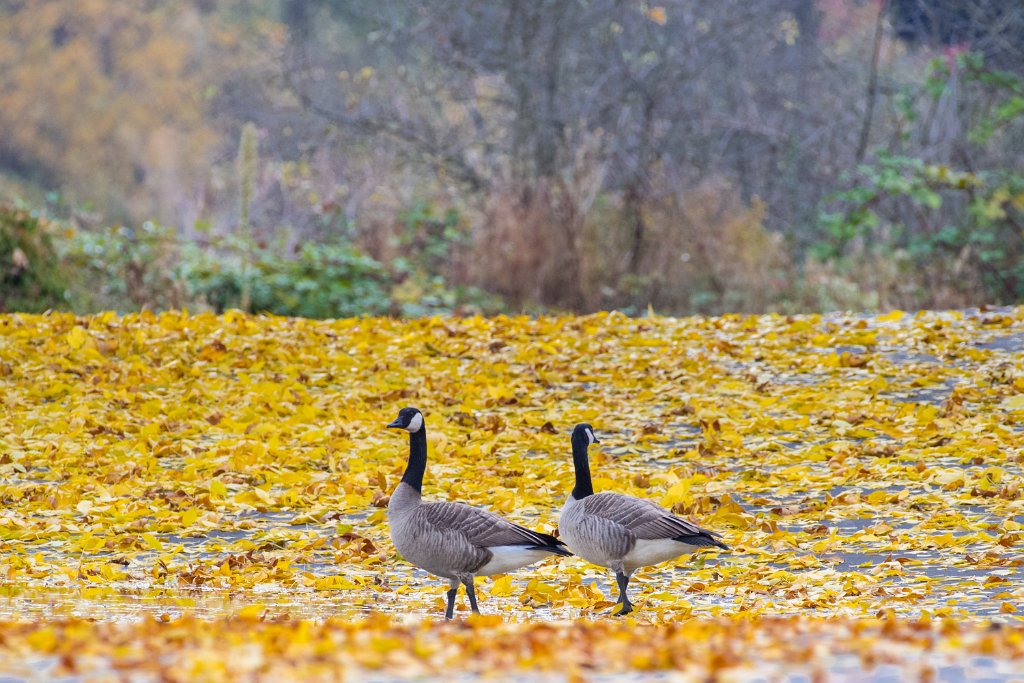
705	539
552	545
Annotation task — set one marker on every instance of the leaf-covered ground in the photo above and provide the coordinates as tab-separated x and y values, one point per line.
218	471
382	649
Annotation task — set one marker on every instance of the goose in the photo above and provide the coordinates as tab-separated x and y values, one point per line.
622	532
452	540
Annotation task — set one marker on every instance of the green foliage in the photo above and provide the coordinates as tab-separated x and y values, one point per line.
318	281
123	268
1003	105
30	274
152	268
922	185
936	215
954	222
428	243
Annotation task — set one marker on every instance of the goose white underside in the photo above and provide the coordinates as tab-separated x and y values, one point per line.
650	552
508	557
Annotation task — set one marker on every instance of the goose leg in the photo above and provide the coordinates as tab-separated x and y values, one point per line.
471	594
623	580
450	612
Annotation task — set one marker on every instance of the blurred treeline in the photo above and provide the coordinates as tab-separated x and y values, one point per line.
329	157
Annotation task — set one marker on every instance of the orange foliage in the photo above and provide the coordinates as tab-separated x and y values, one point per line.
107	98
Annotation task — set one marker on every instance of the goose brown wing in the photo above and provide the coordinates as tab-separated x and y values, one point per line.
483	528
646	520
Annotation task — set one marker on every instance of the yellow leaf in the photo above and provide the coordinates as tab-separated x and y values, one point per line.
189	516
385	644
253	612
1013	403
729	519
217	488
502	587
153	542
76	337
891	316
43	640
877	497
334	582
678	493
501	391
90	543
263	495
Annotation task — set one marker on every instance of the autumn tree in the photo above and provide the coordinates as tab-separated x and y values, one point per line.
109	101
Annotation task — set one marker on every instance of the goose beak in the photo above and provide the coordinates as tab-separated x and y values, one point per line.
397	424
596	440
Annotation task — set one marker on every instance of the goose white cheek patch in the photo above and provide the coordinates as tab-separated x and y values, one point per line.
415	424
591	437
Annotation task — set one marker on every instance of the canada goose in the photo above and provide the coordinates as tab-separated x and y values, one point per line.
452	540
622	532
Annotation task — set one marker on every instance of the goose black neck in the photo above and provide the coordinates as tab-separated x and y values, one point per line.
581	462
417	459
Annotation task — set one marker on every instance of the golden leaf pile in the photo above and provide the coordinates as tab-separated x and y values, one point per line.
213	483
190	649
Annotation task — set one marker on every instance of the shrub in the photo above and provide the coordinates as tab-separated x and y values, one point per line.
710	253
151	267
706	251
30	271
123	268
947	234
318	281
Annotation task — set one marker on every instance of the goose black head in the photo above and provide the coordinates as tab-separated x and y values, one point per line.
584	432
409	419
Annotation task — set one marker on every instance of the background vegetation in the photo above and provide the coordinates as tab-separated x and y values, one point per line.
326	158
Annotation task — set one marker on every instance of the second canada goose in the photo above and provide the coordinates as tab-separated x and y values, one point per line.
452	540
622	532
